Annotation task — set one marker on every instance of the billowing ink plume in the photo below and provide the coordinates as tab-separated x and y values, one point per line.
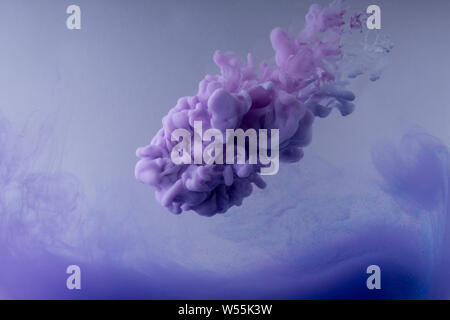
304	83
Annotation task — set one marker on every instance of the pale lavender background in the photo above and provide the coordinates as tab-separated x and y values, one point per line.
113	80
110	83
